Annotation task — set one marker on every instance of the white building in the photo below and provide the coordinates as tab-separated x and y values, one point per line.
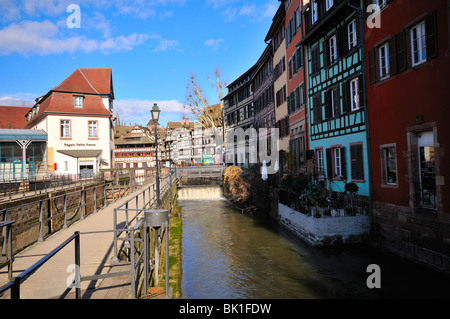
78	118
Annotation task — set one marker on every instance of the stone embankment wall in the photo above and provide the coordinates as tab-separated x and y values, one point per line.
327	230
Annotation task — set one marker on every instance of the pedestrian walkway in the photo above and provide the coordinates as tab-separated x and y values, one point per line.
50	281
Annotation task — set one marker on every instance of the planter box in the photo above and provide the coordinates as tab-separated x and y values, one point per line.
325	231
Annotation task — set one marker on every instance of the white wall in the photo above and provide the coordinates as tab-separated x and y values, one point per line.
79	140
318	231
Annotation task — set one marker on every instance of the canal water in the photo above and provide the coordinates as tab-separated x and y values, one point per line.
228	255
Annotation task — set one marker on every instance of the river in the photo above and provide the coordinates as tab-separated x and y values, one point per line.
227	255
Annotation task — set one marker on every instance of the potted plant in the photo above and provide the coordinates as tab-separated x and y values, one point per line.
351	188
315	192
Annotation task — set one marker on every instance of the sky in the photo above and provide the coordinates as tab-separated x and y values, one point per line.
153	48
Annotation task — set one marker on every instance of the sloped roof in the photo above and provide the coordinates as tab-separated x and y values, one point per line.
89	81
13	116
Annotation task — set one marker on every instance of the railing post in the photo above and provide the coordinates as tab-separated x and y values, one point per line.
15	289
65	210
41	220
115	257
133	271
77	266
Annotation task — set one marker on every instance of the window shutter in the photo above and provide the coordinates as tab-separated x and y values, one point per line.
304	94
329	163
408	48
343	163
431	36
361	90
401	51
357	165
373	77
337	102
392	56
342	41
326	55
346	95
328	111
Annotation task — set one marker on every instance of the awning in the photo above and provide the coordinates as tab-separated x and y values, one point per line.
81	153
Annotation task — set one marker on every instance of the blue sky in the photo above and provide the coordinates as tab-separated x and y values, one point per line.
153	47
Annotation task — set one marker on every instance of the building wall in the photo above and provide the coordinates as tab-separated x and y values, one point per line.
296	81
348	126
79	141
401	109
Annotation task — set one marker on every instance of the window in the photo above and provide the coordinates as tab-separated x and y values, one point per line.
384	61
93	129
418	44
389	165
315	12
65	128
357	162
354	94
337	169
332	105
319	158
315	60
317	108
380	3
78	102
333	49
329	4
352	35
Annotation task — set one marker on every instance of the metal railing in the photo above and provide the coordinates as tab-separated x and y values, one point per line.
138	265
14	286
6	258
202	171
55	212
45	183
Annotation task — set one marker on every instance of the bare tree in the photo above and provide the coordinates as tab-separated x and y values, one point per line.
210	116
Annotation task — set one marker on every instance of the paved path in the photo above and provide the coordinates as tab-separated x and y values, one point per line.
50	280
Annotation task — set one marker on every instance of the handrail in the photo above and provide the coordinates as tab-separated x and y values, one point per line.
15	284
7	247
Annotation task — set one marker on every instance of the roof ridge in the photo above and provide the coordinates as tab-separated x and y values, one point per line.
88	81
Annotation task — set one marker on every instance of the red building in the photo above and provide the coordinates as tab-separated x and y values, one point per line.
408	96
296	83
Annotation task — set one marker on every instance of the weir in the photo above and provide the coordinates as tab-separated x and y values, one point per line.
200	192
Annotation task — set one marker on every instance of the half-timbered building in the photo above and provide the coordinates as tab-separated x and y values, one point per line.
336	102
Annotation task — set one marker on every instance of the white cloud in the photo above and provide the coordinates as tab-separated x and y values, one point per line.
45	38
138	111
166	45
19	99
254	11
214	44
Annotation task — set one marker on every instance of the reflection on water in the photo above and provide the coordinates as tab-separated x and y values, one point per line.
229	255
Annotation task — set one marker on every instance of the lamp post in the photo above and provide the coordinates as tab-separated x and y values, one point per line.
155	117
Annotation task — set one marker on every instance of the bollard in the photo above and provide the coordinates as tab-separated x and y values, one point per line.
159	218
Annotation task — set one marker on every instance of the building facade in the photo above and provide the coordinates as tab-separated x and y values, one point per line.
239	116
77	115
135	149
276	37
336	100
296	86
408	60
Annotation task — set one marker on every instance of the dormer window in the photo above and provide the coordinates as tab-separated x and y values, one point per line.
78	102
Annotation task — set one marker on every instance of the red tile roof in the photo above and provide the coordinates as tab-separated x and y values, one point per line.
13	116
61	102
93	81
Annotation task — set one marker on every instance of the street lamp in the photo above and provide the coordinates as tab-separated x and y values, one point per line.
155	117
